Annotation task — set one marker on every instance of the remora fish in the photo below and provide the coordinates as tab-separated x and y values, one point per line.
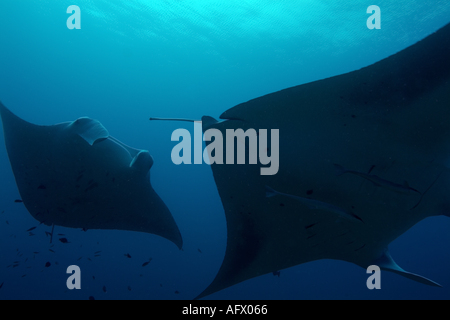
377	181
316	204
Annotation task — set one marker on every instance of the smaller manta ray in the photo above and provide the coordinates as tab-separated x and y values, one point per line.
76	175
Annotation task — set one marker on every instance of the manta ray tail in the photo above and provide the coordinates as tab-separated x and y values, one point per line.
270	192
386	262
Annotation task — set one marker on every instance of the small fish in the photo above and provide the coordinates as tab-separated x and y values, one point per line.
31	234
276	273
129	288
64	240
199	250
1	285
146	263
104	288
36	252
177	292
48	233
377	181
47	264
42	187
3	212
127	255
61	234
31	229
91	298
97	255
311	225
84	229
97	252
51	250
93	277
79	258
316	204
18	201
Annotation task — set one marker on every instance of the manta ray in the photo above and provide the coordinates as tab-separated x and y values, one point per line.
76	175
373	142
363	157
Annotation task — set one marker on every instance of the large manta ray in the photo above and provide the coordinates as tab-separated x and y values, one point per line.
363	157
76	175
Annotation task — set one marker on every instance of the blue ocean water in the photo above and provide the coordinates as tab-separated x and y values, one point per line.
136	59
